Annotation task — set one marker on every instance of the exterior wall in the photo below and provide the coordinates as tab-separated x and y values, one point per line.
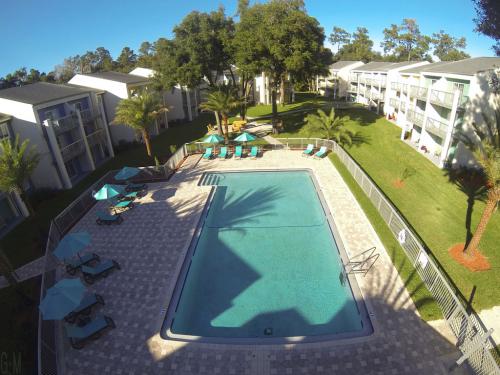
340	81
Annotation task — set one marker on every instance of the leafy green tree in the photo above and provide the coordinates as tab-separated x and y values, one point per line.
488	20
200	50
140	113
339	37
448	48
406	42
222	101
17	162
329	126
145	59
103	60
485	145
286	42
359	48
127	60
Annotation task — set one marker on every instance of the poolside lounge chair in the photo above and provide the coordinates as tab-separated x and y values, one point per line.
238	152
90	274
72	265
254	152
85	307
208	153
322	152
223	152
309	150
92	330
130	196
117	205
131	187
105	218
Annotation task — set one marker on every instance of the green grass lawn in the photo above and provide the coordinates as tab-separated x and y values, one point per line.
435	207
26	242
18	326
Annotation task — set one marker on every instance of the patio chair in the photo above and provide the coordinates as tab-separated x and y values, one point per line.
91	274
254	152
130	196
105	218
78	336
309	150
131	187
72	265
223	152
208	153
238	152
85	307
321	153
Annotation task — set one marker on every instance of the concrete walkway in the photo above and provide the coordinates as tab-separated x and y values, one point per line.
150	245
26	272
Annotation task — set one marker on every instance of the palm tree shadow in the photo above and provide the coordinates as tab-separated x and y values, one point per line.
359	139
472	182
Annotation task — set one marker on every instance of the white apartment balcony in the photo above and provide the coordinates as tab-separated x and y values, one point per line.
353	78
394	102
436	127
72	150
362	80
418	92
442	98
375	95
4	131
464	99
415	117
96	137
403	106
352	88
65	124
396	86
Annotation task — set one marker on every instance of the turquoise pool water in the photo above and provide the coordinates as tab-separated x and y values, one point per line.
265	264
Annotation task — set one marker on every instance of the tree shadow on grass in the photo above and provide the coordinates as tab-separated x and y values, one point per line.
471	182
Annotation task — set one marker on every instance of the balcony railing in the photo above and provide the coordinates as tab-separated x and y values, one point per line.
442	98
65	124
464	99
96	137
353	78
415	117
403	106
352	88
396	86
437	127
394	102
418	92
404	88
74	149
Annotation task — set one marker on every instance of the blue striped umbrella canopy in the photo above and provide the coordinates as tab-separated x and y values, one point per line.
127	172
72	244
62	299
213	138
245	137
109	191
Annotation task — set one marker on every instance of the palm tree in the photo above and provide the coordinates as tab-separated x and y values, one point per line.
222	101
140	113
17	162
487	154
329	126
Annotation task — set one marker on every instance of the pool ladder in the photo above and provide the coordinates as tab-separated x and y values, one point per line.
361	263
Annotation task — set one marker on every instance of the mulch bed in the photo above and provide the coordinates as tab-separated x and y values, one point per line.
474	261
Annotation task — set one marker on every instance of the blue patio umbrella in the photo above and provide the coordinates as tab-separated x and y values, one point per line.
213	138
109	191
72	244
127	172
245	137
62	299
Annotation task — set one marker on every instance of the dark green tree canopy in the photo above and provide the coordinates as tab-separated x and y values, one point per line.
406	42
339	37
488	20
448	48
359	48
200	49
127	60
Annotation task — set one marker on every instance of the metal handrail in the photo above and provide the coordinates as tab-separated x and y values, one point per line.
442	98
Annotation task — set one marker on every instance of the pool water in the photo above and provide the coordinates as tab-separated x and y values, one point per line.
265	264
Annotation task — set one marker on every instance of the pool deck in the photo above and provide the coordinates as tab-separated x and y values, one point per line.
150	245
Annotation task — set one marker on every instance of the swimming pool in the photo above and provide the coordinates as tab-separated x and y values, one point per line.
264	266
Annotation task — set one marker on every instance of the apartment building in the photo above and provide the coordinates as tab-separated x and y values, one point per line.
12	208
368	83
67	125
336	84
182	103
262	90
443	100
